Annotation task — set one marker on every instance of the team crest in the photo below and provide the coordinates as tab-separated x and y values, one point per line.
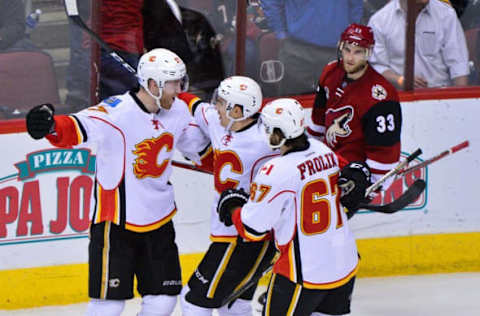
147	153
339	125
379	92
227	139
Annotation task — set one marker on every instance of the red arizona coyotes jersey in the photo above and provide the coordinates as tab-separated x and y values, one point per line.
297	196
122	25
133	161
359	119
236	157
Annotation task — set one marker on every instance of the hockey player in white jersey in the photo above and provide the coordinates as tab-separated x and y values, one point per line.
297	197
131	231
239	149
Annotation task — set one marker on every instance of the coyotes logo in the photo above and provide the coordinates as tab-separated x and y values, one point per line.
147	151
339	125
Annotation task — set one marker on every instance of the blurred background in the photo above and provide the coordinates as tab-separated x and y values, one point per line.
283	44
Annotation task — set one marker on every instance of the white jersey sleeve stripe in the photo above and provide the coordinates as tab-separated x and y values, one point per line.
379	165
279	193
80	130
204	116
317	128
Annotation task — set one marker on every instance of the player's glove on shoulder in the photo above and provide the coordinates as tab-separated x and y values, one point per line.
353	182
229	200
40	120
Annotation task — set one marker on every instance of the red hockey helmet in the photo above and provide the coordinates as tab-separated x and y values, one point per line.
358	34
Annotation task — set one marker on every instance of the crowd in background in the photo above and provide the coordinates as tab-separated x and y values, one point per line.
287	45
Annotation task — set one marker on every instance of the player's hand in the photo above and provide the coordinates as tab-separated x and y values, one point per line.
229	200
353	182
40	120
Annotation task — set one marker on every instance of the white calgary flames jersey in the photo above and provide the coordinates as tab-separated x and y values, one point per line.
237	158
297	196
133	161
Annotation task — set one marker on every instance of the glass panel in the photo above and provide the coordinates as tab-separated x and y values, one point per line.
442	55
47	58
469	13
294	41
35	58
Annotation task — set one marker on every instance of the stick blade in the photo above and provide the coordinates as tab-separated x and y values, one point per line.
412	193
71	7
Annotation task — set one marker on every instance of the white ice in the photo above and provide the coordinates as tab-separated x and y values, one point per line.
425	295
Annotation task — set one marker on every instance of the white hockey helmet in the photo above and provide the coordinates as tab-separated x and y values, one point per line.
161	65
239	90
285	114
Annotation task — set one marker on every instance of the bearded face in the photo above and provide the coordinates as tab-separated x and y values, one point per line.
354	58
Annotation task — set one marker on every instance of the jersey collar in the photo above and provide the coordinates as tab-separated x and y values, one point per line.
292	150
137	100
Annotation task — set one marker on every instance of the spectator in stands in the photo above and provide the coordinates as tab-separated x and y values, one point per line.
78	71
441	56
470	19
370	7
309	30
12	27
131	28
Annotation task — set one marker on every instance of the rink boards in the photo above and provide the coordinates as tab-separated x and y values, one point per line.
45	200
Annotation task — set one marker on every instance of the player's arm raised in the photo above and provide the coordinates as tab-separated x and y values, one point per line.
89	125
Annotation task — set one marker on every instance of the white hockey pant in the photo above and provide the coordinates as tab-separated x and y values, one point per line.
158	305
98	307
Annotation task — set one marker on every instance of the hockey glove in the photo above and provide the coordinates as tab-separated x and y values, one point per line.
229	200
353	182
40	121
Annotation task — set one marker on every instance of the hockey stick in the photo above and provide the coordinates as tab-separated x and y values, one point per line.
393	172
409	196
414	191
189	167
441	155
72	12
232	297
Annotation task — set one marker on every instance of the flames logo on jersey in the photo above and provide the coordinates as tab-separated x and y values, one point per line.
147	151
339	126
